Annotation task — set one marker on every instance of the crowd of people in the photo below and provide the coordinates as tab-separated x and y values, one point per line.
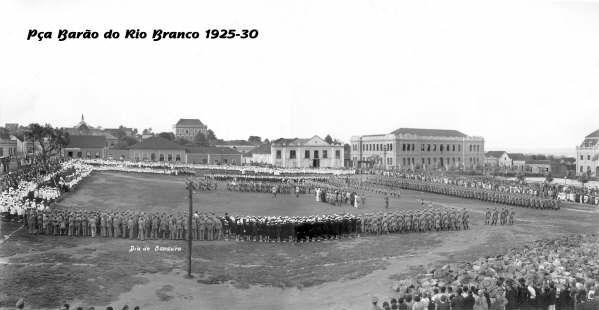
505	216
42	185
208	226
212	169
546	190
267	187
21	305
118	223
546	274
470	192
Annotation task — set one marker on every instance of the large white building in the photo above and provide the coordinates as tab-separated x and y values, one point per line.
587	155
188	128
415	149
306	153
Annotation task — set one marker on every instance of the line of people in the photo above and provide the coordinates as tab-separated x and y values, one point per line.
513	199
505	216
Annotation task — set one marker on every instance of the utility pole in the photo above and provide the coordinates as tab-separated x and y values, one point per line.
190	187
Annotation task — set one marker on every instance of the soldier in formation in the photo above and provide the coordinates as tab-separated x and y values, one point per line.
207	226
124	224
490	195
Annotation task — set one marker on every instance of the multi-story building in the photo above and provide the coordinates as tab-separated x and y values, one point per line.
187	128
415	149
587	155
306	153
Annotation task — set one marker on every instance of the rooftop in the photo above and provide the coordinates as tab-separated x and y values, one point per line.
262	149
190	122
86	141
212	150
429	132
539	162
157	143
516	156
594	134
495	154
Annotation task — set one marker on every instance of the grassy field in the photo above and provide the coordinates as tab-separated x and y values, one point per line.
343	274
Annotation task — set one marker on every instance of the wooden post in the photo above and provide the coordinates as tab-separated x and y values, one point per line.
190	188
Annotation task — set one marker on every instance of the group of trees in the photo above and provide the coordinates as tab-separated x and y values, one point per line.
50	140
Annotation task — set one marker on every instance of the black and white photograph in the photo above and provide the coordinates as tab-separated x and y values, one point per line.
299	155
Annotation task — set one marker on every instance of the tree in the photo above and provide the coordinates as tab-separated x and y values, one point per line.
167	135
200	140
211	137
328	139
51	140
126	142
4	134
183	141
255	140
266	141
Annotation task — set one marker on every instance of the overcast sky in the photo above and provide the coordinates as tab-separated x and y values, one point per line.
522	74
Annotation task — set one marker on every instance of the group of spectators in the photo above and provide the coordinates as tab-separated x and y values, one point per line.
41	185
214	169
546	274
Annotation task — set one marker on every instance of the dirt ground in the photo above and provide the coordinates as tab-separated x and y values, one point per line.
342	274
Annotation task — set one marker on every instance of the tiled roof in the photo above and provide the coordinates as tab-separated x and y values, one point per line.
594	134
157	143
85	141
516	156
538	162
236	142
262	149
190	122
429	132
495	154
290	142
212	150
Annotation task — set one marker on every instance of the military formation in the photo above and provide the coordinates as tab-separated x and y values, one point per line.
123	224
207	226
421	220
505	216
267	187
513	199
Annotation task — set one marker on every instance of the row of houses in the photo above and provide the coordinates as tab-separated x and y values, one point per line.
154	148
533	164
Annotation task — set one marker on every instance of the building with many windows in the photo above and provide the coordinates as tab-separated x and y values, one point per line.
306	153
213	155
86	146
158	149
188	128
418	149
587	155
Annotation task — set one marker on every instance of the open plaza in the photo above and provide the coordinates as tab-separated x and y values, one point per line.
324	273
